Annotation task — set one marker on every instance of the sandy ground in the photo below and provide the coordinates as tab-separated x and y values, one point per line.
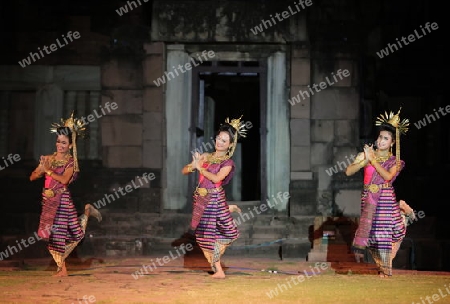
181	280
124	280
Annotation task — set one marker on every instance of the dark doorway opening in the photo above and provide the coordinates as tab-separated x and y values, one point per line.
222	89
235	95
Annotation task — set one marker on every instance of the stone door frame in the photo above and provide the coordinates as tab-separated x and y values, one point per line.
178	109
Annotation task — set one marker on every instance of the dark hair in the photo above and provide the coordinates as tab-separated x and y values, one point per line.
65	131
389	128
229	129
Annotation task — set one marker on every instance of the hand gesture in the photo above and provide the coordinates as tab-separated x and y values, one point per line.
369	153
196	161
44	163
41	164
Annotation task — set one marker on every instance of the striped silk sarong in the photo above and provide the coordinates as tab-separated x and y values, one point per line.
216	229
388	231
68	230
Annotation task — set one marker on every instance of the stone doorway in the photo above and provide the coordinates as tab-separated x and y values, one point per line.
231	89
181	118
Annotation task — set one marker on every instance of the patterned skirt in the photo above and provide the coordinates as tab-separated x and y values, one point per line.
388	230
66	226
216	230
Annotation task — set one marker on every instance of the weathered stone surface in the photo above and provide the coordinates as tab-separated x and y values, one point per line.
340	73
323	177
345	132
303	202
153	154
348	202
300	132
122	130
300	72
321	153
154	48
232	21
128	101
322	130
121	74
306	175
300	106
153	68
150	200
153	126
300	159
153	99
123	157
336	103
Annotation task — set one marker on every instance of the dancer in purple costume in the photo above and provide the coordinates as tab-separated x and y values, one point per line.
211	222
58	223
381	228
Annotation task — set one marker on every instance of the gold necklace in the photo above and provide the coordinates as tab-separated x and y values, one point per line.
212	159
382	159
59	162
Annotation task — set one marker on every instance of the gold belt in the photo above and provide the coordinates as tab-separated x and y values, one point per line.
205	191
51	193
374	188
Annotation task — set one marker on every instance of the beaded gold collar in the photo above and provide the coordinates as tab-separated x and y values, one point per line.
54	163
382	159
212	159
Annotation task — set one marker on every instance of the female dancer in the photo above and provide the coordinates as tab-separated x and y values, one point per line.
59	224
214	227
381	228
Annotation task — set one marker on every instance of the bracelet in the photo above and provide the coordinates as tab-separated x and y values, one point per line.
201	171
190	169
361	164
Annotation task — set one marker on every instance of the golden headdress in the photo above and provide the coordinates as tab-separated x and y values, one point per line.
239	127
401	126
77	128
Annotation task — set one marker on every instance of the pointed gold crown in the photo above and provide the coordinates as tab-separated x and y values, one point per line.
74	124
393	120
238	125
77	129
401	126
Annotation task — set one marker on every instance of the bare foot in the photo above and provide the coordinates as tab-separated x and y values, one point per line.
89	210
218	275
382	275
217	267
234	208
61	272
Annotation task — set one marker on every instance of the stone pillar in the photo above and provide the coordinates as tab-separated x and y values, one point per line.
122	129
177	122
94	100
334	113
278	148
303	188
236	181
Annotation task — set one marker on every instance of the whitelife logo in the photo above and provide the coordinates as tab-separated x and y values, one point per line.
53	47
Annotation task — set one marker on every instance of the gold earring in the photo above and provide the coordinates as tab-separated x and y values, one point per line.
390	150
